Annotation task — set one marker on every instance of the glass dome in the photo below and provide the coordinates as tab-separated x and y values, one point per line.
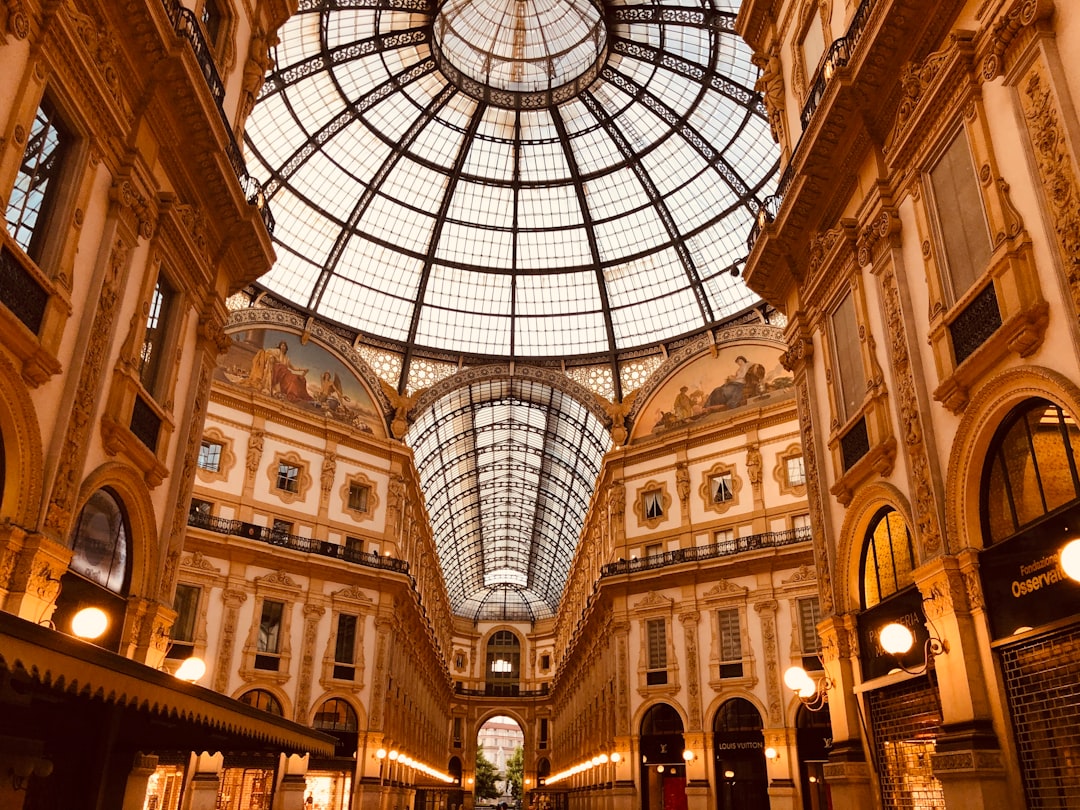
523	179
512	178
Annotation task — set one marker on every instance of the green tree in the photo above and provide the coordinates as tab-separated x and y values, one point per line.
485	787
515	772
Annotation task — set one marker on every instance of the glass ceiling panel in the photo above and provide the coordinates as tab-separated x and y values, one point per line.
511	178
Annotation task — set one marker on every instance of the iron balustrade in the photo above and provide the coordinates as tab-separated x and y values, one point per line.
21	292
975	324
187	25
725	548
502	690
308	545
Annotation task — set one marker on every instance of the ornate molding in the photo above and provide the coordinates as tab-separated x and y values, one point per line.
814	485
1010	30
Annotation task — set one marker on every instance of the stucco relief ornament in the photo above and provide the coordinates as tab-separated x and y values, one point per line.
14	18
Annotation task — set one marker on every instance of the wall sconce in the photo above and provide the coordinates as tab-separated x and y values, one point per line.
1069	558
772	754
897	640
380	754
89	623
813	693
688	755
616	757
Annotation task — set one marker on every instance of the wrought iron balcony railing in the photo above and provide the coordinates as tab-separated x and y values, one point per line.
308	545
187	25
838	56
726	548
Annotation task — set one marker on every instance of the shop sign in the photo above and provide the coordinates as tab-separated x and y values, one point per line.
1023	584
662	748
904	607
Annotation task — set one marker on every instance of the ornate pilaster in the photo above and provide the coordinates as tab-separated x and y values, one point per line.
621	632
766	611
690	622
384	628
233	599
875	241
312	616
76	442
34	564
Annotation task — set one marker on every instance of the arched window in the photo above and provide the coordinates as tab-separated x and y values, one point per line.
336	715
738	714
100	544
261	699
1031	469
888	558
661	719
503	663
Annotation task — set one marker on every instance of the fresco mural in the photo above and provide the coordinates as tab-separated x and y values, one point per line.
278	365
737	377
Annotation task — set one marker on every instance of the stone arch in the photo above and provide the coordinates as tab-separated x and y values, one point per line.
258	686
645	708
20	440
982	417
860	512
339	694
130	488
714	706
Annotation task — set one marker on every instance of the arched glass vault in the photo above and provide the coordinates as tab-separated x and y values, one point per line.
508	466
511	179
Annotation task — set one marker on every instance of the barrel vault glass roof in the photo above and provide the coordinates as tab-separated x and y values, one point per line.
518	179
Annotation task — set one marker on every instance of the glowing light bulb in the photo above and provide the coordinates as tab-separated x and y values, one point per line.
89	623
1070	559
191	669
896	639
616	757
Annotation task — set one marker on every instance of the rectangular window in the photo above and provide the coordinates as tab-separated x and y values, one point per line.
545	661
210	456
961	217
725	537
652	504
345	647
850	382
720	486
654	549
211	18
186	603
813	46
730	643
153	346
457	732
801	525
809	616
656	631
358	497
354	547
201	508
268	646
796	472
288	477
33	198
543	733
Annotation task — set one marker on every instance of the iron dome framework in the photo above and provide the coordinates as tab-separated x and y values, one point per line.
511	179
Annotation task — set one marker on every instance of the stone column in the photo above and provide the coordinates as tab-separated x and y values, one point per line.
968	759
202	791
846	773
36	564
138	779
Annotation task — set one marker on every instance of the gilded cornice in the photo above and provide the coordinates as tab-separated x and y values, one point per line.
831	258
1009	35
934	91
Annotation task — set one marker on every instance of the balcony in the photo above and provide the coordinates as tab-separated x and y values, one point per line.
850	105
187	25
308	545
727	548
